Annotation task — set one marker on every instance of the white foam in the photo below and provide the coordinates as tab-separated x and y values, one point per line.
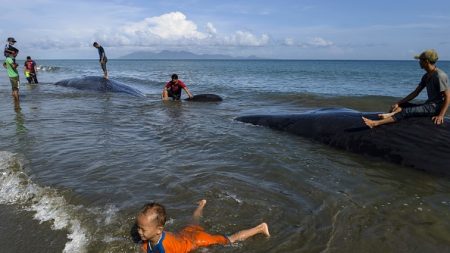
17	188
47	68
14	185
78	239
106	216
232	196
110	214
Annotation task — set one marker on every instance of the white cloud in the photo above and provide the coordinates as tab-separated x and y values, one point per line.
241	38
211	29
311	43
170	26
289	42
320	42
173	29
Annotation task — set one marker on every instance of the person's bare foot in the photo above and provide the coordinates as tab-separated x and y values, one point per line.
370	123
265	229
201	203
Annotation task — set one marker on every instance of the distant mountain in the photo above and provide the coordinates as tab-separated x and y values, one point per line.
180	55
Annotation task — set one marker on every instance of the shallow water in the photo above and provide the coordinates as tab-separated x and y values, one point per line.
77	165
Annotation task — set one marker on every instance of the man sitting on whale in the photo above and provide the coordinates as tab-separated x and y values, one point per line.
436	82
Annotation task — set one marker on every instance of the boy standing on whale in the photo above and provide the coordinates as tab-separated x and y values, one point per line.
436	82
103	60
150	223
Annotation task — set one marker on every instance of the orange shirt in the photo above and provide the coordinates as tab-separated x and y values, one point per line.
190	238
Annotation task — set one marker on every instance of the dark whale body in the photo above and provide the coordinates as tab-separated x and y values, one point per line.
413	142
205	98
101	84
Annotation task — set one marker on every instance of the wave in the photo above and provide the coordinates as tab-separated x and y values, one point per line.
48	68
16	188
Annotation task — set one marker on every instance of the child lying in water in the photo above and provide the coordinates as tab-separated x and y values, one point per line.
150	223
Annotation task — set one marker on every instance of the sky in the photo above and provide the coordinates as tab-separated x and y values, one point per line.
275	29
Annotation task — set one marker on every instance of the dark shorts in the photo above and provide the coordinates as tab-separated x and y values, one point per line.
103	65
418	110
32	78
14	83
175	95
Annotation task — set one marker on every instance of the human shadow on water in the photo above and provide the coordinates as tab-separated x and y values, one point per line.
20	126
173	109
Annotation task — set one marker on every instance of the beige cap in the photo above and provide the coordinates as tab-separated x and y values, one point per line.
431	55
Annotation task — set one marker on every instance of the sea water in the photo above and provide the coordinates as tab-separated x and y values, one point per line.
76	166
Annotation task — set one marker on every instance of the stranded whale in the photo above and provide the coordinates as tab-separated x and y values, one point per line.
413	142
205	98
101	84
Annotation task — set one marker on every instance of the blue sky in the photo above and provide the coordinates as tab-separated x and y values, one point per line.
283	29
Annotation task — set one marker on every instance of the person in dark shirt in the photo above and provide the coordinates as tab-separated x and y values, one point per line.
30	70
436	83
10	50
103	60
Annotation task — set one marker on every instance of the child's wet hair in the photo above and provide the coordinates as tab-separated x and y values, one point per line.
156	208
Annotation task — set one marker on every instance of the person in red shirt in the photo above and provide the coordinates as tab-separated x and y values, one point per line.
150	223
173	89
30	70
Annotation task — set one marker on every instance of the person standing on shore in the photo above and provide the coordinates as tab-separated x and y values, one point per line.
103	60
30	70
13	75
436	82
